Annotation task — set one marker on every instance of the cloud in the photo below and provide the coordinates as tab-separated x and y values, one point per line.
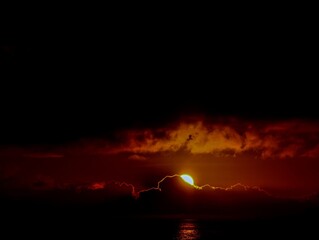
222	137
282	139
193	137
137	157
289	151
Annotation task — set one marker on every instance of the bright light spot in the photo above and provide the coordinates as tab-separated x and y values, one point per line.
187	179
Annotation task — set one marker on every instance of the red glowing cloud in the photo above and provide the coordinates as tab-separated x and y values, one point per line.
268	140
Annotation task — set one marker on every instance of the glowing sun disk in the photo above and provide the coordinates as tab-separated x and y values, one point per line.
187	179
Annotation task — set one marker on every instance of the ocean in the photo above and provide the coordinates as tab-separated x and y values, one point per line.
193	229
97	224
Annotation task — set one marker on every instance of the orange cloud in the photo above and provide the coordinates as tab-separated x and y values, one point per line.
281	139
268	140
193	137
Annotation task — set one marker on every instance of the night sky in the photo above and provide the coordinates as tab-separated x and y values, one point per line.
136	101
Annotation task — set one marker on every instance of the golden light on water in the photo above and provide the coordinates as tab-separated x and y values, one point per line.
188	230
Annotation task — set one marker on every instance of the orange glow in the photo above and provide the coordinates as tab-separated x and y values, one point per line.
97	185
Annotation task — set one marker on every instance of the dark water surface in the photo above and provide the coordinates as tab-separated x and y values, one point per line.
63	223
160	228
192	229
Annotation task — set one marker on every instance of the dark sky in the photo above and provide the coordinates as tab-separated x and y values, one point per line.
69	81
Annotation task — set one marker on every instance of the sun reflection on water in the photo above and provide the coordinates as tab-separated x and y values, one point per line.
188	230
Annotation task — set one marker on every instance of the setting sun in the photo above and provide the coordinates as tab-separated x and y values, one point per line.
187	179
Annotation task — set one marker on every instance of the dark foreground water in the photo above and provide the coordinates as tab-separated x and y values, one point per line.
81	223
159	228
192	229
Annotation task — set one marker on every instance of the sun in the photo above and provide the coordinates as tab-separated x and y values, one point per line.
187	179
